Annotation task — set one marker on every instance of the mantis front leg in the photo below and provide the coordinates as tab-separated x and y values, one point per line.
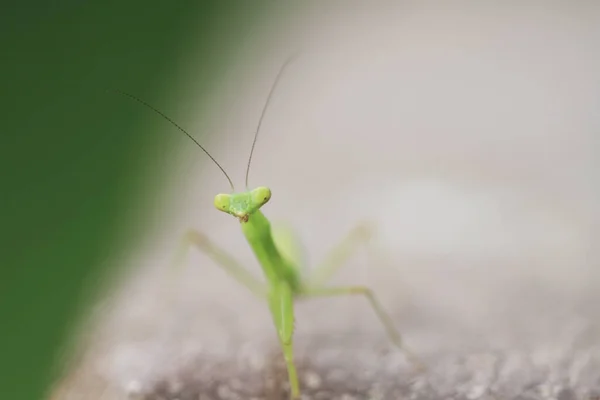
279	295
222	259
281	303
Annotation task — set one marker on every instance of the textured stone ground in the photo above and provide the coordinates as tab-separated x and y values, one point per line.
482	375
551	356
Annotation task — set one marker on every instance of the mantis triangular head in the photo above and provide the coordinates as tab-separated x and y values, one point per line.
243	205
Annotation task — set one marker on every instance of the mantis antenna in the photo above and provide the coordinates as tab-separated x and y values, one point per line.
283	67
178	127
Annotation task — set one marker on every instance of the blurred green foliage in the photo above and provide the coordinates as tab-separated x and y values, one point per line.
71	155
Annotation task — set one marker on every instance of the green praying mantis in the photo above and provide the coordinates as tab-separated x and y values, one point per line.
279	256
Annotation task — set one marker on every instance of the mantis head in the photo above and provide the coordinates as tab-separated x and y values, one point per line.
243	205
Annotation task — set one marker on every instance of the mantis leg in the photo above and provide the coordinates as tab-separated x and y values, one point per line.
339	254
384	318
281	303
222	259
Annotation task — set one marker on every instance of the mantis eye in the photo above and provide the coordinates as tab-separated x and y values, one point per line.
222	202
261	195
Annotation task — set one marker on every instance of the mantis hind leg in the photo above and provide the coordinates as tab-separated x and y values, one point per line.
383	317
193	238
359	235
314	286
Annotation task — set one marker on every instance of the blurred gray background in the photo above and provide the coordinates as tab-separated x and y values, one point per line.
467	135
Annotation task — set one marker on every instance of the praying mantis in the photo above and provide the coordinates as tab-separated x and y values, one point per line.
278	256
